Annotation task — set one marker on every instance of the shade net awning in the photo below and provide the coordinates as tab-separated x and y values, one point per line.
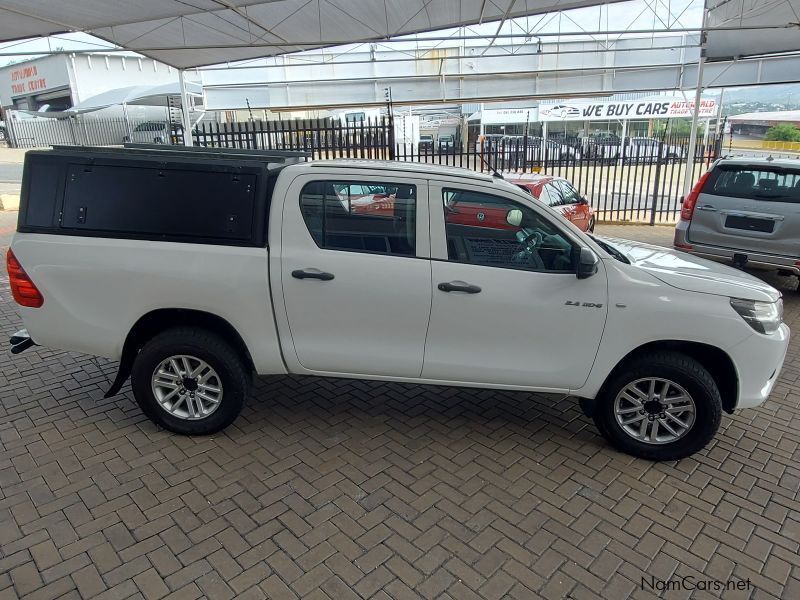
201	32
759	27
165	94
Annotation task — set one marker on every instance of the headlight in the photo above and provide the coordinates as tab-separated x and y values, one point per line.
764	317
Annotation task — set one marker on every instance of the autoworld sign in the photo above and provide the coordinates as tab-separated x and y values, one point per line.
660	108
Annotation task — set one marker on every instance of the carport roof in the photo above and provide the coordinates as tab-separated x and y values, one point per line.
200	32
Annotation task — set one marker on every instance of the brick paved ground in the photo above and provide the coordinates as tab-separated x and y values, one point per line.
342	489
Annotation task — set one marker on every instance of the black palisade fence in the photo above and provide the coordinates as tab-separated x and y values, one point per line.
635	178
372	138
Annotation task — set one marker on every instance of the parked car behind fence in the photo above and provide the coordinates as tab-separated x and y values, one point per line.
560	195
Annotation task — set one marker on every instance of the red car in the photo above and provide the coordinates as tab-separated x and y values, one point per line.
559	194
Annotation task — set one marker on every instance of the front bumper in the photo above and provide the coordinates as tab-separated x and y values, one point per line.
21	341
759	360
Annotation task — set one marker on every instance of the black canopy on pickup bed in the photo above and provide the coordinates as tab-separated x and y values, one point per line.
166	193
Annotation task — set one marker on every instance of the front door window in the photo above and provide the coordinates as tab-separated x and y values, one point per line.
492	231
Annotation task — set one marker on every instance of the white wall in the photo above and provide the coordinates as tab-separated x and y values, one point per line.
94	74
34	77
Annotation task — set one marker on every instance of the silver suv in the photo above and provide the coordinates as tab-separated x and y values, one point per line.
745	211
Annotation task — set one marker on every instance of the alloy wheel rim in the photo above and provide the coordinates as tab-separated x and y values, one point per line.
186	387
654	410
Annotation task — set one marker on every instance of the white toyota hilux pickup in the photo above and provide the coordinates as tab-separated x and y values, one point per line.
197	268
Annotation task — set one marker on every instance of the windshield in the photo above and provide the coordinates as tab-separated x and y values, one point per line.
610	249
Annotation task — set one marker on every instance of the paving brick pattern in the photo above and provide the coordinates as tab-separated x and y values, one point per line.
348	489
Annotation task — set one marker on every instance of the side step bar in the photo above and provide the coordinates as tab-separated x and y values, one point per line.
21	341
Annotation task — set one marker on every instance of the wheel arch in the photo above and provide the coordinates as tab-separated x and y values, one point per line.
715	360
156	321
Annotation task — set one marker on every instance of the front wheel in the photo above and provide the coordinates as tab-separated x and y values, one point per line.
660	406
189	381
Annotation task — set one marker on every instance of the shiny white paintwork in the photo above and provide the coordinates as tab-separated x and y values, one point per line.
372	317
382	317
513	331
95	290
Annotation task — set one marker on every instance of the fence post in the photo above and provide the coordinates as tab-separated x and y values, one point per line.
12	137
71	121
657	182
392	152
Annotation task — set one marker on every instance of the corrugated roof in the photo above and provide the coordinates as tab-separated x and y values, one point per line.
777	116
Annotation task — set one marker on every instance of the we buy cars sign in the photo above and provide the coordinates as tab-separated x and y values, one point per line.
659	108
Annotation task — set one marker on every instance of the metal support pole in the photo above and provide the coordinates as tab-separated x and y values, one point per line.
687	177
543	155
187	122
127	122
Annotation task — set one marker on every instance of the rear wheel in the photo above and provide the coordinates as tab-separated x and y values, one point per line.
189	381
660	406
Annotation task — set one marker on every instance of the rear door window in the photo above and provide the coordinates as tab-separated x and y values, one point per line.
361	216
769	184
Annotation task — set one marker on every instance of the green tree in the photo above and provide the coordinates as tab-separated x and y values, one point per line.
785	132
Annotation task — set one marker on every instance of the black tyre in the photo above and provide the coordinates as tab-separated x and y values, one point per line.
190	381
659	406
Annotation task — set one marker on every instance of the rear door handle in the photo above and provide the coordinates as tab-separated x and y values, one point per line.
707	207
309	274
459	286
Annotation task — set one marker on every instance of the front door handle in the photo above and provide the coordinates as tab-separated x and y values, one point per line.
459	286
308	274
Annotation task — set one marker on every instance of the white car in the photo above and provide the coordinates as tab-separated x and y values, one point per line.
150	132
647	149
454	278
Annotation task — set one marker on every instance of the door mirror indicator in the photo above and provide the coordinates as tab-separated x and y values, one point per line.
587	263
514	217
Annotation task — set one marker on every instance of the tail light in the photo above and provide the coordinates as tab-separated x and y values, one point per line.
687	209
23	289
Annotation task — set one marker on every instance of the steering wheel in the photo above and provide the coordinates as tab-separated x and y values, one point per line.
526	246
526	252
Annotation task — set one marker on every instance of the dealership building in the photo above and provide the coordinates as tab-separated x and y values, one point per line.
60	81
621	115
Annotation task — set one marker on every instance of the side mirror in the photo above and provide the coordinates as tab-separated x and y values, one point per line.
587	263
514	217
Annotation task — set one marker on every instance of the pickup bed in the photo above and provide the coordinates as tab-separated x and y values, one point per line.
197	268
